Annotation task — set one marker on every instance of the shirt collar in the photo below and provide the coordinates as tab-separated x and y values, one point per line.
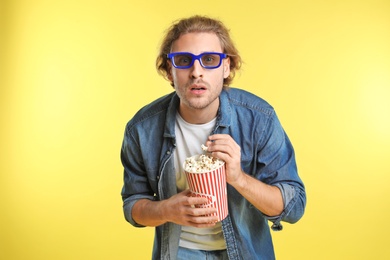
223	117
225	111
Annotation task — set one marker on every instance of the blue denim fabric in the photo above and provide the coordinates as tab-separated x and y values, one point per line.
266	154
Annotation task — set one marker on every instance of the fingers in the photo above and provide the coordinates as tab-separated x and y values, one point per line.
192	211
193	200
220	141
203	222
223	146
202	217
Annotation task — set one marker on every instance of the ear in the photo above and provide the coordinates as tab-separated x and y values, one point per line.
226	67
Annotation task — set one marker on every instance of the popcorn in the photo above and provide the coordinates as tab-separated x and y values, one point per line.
206	178
202	163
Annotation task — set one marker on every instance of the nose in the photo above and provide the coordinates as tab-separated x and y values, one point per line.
196	70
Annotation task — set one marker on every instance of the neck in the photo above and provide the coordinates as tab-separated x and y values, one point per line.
198	116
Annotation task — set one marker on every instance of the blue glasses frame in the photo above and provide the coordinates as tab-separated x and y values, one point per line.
194	57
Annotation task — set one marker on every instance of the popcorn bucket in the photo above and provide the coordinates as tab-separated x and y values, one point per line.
210	184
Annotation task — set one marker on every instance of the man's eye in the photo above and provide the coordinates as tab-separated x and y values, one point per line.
209	59
183	60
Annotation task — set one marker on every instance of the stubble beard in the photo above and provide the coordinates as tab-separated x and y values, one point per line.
200	102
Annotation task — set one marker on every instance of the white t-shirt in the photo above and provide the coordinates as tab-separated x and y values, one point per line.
189	138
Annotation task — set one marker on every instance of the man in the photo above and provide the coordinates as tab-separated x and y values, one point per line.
199	59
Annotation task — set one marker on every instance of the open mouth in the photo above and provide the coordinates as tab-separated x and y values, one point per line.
196	87
198	90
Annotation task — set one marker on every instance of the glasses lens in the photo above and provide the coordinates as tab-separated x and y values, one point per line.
210	60
182	60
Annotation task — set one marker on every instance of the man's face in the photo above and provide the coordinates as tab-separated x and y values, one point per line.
198	87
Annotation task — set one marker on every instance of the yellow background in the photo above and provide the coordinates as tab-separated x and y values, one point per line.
74	72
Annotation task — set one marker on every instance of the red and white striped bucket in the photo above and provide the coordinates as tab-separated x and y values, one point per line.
211	185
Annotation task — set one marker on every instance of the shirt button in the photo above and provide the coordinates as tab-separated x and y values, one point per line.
168	152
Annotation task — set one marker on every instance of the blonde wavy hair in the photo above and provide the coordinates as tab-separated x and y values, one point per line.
198	24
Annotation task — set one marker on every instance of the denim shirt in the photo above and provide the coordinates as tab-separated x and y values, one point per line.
266	154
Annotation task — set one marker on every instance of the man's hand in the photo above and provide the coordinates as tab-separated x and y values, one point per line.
268	199
184	210
222	146
180	209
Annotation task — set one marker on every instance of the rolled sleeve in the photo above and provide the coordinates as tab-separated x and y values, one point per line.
294	200
128	205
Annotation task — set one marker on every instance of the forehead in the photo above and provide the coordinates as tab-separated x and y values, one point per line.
197	43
